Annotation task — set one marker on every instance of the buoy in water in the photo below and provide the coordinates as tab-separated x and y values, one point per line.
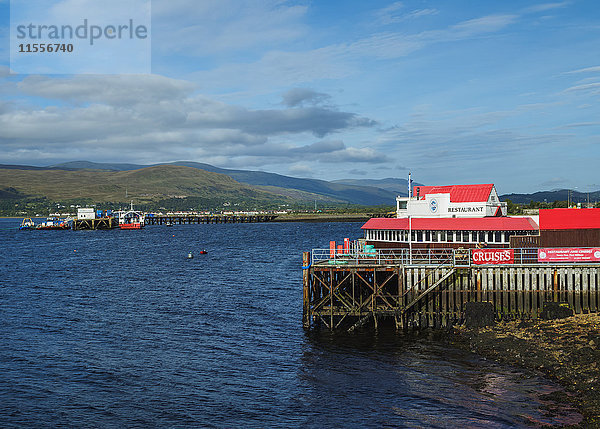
190	256
203	252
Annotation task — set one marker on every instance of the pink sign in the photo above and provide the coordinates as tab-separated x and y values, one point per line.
493	256
569	255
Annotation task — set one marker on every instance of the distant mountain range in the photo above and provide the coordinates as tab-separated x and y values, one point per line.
554	195
115	181
352	193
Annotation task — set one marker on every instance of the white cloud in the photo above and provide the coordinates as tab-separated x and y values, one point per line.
117	90
206	27
336	61
587	70
161	116
546	6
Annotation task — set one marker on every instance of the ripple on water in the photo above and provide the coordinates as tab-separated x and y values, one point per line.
118	328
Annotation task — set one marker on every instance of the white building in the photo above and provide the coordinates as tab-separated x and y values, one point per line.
449	216
451	201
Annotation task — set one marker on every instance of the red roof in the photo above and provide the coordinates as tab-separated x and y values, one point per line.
458	193
455	224
569	219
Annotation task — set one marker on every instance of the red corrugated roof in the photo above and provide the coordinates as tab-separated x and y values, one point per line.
569	219
455	224
458	193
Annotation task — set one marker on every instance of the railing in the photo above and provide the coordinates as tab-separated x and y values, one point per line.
384	256
356	255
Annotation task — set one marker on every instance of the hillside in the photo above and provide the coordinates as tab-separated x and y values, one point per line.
393	184
146	184
356	193
551	196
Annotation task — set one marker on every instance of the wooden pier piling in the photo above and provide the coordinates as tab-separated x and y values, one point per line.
204	219
344	295
98	223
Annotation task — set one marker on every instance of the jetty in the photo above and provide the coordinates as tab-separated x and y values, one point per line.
451	251
429	288
190	219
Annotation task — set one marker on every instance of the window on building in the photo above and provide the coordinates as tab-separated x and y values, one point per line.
443	236
427	236
434	236
482	238
450	236
498	237
402	205
419	235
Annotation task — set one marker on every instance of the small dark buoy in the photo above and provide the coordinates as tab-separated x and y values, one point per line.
190	255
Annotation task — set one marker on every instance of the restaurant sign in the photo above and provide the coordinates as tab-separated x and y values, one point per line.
569	255
493	256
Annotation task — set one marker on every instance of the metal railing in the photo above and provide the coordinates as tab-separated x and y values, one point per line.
384	256
357	255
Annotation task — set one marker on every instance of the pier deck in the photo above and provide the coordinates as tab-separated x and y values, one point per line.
202	219
430	288
98	223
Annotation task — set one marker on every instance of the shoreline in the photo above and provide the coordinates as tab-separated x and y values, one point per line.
299	218
359	217
564	350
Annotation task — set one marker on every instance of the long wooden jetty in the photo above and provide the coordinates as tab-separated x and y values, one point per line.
429	288
199	219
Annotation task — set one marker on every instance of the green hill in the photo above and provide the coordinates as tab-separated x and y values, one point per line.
145	186
357	192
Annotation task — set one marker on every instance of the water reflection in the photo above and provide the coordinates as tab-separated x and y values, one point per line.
389	380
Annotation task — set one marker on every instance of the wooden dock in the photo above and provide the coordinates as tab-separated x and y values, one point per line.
343	293
98	223
202	219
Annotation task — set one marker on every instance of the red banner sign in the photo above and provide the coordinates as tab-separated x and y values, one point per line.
569	255
493	256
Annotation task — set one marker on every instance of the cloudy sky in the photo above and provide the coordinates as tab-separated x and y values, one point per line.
456	92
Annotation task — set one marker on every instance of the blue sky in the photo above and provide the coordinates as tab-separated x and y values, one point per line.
456	92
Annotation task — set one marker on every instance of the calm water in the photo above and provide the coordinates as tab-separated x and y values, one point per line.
119	329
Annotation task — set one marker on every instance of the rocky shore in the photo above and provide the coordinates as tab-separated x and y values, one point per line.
566	350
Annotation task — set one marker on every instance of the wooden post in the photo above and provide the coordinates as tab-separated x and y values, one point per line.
306	290
555	285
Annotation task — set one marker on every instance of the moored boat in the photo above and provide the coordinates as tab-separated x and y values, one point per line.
27	224
54	223
131	219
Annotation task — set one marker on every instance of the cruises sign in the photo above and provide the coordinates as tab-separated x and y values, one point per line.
493	256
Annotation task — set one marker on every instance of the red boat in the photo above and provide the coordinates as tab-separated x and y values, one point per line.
131	225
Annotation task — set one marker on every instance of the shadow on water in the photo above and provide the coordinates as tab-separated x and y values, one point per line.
386	379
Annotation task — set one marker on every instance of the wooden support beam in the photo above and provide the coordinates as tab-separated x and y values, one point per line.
428	290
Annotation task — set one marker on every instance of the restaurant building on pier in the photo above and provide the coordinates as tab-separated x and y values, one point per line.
455	216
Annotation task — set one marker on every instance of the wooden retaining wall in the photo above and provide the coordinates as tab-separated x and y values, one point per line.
344	297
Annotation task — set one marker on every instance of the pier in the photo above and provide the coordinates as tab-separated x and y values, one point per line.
199	219
344	289
97	223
